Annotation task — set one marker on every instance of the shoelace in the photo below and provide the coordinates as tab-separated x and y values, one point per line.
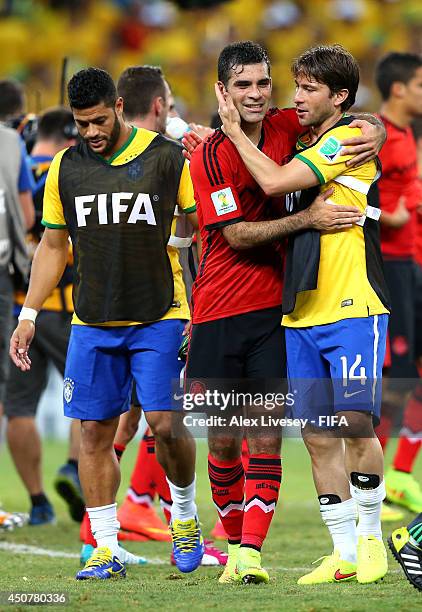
185	540
100	557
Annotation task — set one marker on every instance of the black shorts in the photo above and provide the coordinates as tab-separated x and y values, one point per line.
400	276
24	389
245	346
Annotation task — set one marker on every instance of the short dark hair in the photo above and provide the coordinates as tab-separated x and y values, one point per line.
138	86
333	66
242	53
56	124
90	87
395	67
12	99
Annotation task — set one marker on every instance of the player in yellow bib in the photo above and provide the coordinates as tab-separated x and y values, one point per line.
114	194
335	308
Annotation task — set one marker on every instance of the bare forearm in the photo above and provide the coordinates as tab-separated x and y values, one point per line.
370	119
47	269
28	209
247	235
387	219
265	171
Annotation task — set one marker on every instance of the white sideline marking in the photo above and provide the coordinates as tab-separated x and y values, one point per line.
26	549
35	550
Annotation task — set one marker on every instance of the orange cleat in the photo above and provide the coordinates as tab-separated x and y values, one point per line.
218	533
131	536
143	520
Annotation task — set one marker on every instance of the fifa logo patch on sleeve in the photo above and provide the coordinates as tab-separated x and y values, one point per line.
223	201
330	149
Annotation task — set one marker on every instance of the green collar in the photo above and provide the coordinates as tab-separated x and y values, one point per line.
122	148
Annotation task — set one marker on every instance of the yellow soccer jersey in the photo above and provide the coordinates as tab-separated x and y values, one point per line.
53	216
343	290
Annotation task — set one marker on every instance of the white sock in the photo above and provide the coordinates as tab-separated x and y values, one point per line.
105	526
183	507
369	503
341	522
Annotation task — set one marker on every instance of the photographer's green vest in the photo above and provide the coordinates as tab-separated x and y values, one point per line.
119	219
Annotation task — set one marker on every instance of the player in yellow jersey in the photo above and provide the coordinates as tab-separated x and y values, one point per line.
114	193
335	308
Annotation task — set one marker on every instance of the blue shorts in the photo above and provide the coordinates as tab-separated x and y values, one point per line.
102	362
336	367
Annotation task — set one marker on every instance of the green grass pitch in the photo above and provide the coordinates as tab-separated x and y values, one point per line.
297	537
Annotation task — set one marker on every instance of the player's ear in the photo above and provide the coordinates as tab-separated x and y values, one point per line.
157	105
118	107
221	87
341	96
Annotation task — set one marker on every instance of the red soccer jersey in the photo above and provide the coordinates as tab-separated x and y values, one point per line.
231	282
418	256
399	178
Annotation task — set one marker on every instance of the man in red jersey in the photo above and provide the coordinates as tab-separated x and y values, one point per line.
236	297
399	80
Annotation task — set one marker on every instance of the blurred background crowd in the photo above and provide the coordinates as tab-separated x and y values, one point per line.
185	37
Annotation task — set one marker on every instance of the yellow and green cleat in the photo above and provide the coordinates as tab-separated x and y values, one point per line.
408	555
402	489
332	569
230	574
372	560
249	566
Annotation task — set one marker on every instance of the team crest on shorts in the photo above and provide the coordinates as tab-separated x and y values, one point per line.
68	386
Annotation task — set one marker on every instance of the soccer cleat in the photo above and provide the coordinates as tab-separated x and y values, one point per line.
131	536
372	562
101	566
219	533
230	574
213	556
10	520
389	514
249	566
408	555
68	487
142	519
42	515
332	569
125	556
402	489
86	553
188	544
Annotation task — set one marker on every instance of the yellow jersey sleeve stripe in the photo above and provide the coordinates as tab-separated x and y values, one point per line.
312	167
53	225
191	209
185	195
52	205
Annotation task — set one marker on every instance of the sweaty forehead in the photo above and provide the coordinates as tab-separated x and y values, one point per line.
249	72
